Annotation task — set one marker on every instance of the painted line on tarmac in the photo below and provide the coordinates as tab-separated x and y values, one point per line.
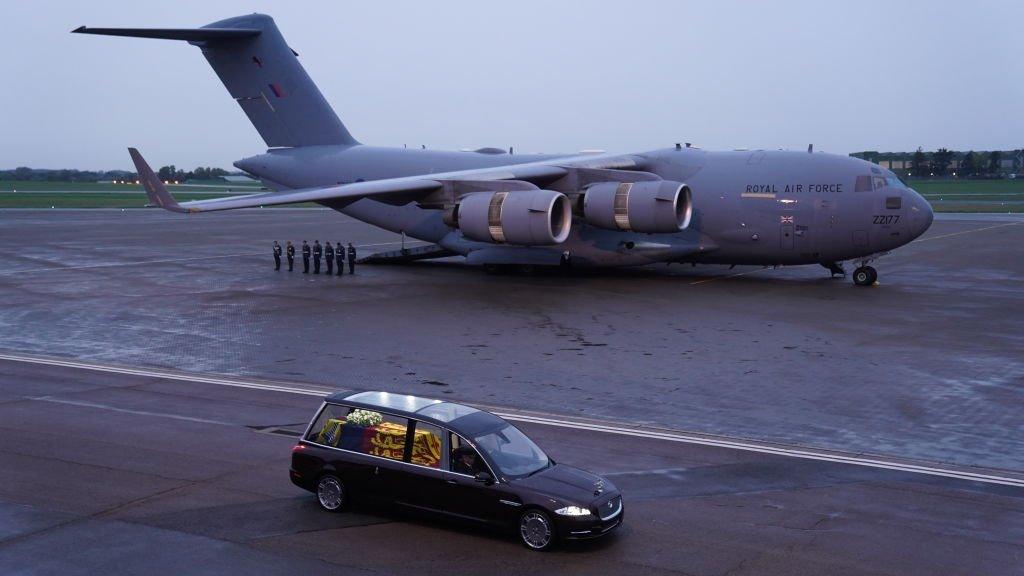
639	432
752	446
969	232
127	411
726	277
170	375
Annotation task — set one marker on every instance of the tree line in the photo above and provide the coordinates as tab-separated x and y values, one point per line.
972	164
171	173
24	173
168	173
945	162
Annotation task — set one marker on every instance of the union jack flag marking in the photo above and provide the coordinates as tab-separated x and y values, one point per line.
786	219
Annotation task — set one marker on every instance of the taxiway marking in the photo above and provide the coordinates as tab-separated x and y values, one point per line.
970	231
640	432
726	277
127	411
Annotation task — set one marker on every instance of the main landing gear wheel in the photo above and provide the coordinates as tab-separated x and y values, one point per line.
536	530
865	276
330	493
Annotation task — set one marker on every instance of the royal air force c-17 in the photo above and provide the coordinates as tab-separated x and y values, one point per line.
678	204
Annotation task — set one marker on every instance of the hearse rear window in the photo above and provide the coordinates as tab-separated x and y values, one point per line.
364	431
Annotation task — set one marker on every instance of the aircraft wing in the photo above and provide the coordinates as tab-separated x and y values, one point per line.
410	187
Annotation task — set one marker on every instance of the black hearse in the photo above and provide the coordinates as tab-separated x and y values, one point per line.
449	459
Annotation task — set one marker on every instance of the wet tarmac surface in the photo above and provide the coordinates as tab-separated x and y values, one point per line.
122	473
114	473
925	365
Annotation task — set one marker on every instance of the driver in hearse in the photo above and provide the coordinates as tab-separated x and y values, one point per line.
465	461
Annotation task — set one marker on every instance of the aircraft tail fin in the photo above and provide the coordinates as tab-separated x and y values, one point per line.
155	189
262	74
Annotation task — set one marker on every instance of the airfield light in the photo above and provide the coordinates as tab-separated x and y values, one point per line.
136	181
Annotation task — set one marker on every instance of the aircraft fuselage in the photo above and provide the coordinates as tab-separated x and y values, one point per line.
749	207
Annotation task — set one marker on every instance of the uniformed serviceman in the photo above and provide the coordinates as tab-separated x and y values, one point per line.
340	253
277	255
318	253
329	257
305	257
290	252
351	258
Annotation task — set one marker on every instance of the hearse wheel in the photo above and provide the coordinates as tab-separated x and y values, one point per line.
330	493
865	276
536	530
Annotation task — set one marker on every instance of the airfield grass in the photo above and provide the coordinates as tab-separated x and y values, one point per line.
205	186
100	199
944	195
932	187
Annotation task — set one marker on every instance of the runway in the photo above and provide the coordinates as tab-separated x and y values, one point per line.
105	471
758	420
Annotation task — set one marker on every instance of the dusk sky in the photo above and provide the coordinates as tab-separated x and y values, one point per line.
539	76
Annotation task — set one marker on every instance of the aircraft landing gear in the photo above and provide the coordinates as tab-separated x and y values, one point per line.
834	268
865	276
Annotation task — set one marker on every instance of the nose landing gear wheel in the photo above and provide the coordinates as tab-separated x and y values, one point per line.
865	276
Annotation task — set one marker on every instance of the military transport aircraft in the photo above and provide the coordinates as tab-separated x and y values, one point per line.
679	204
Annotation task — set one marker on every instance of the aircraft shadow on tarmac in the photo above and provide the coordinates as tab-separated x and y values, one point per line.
675	273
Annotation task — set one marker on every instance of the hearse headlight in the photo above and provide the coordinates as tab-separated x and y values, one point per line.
573	511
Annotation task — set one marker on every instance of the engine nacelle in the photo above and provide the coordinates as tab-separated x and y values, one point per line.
526	217
657	206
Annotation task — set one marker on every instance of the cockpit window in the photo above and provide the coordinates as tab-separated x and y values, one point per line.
863	184
894	182
879	182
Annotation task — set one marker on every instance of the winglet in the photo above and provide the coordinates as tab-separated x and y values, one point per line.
155	189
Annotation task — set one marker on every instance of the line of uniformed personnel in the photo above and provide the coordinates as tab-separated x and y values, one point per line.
334	255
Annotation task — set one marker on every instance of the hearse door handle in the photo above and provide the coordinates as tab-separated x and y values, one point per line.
450	481
376	469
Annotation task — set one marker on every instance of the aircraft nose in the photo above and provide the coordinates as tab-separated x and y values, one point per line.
921	214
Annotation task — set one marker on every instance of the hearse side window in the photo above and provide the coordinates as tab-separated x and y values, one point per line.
463	458
366	431
322	431
426	445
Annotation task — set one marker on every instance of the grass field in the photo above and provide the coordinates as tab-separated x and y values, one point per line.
972	195
100	199
26	186
929	187
944	195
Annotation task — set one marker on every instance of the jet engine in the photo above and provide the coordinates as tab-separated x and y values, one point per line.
526	217
657	206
